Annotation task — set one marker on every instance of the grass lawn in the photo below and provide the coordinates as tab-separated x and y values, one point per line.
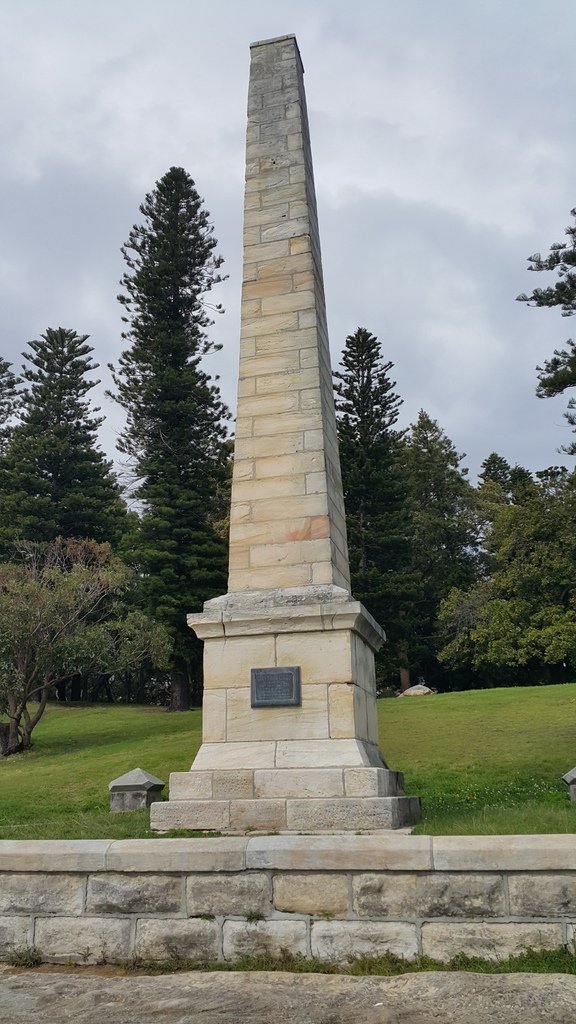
484	762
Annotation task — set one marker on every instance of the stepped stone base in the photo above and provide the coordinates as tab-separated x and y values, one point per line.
283	799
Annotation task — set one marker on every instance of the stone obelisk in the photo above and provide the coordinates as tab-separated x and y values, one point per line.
290	738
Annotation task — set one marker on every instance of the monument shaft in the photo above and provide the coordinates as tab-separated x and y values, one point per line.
287	526
290	732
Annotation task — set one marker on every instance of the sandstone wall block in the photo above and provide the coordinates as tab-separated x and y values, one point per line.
491	940
340	940
399	895
264	938
193	939
82	939
225	853
225	895
113	893
41	894
553	895
15	933
314	894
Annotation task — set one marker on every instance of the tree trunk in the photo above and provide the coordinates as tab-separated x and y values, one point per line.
404	678
179	688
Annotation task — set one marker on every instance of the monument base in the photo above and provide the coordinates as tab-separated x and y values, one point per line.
310	767
286	800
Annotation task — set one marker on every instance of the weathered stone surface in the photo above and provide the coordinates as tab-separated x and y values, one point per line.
340	853
113	893
400	895
372	782
183	855
257	814
192	938
493	940
344	813
505	853
233	785
211	815
54	854
341	940
546	896
314	894
82	939
15	933
221	895
292	782
191	785
244	998
41	894
263	938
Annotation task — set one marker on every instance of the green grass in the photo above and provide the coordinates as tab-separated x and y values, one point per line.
484	762
554	961
59	790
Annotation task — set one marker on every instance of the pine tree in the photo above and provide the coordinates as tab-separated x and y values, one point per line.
377	515
175	430
558	373
445	529
8	400
54	480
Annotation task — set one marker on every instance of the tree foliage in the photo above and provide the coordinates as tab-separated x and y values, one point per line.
175	429
558	373
60	614
54	479
522	617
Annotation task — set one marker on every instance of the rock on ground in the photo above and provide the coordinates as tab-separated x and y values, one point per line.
267	998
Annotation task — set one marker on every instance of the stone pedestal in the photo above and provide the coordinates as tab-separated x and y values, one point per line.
309	764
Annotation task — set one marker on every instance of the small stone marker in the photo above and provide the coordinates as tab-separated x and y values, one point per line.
570	780
134	790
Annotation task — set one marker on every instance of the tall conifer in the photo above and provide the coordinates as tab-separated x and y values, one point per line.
175	432
54	480
377	513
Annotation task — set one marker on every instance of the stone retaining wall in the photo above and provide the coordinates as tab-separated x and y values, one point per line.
332	897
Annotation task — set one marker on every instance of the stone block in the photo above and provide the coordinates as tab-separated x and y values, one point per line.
193	939
505	853
54	854
257	814
191	785
490	940
222	896
233	785
339	941
315	894
543	896
398	895
310	720
341	703
236	755
352	813
319	754
227	662
114	893
398	852
41	893
15	933
264	938
82	940
372	782
226	853
323	656
292	782
268	250
214	716
211	815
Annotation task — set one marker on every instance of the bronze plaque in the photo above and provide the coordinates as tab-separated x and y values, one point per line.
275	687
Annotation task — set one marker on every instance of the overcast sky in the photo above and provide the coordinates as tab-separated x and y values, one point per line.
444	150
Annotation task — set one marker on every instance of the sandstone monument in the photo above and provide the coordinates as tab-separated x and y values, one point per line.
290	738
